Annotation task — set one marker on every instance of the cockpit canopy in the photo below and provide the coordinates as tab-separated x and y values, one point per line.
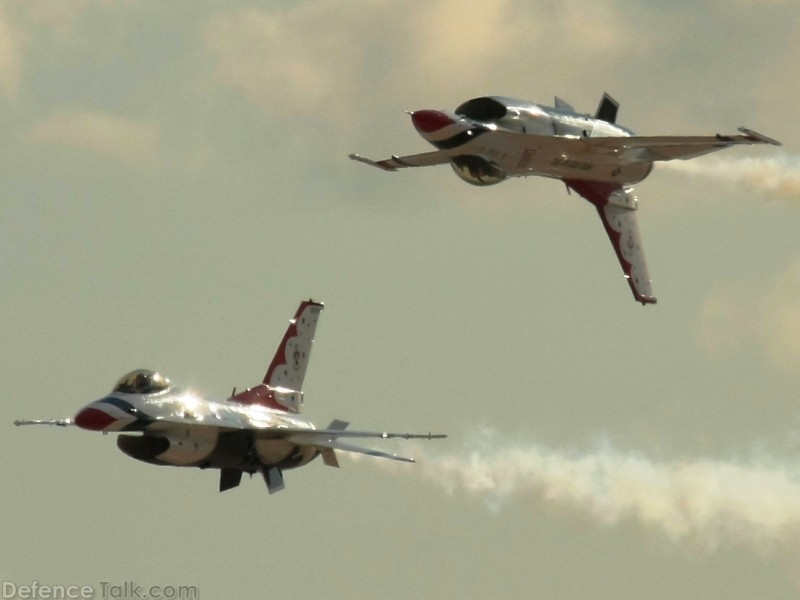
482	109
142	381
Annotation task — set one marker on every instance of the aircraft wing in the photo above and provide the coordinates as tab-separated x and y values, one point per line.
268	428
330	444
426	159
656	148
327	440
617	209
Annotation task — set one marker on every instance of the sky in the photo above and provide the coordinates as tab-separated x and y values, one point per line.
175	181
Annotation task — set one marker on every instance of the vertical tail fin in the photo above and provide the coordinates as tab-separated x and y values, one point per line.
288	367
607	109
283	383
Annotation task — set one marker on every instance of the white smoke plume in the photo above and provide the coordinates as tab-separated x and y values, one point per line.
701	503
775	176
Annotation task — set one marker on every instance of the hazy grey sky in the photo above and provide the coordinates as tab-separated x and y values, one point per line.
176	180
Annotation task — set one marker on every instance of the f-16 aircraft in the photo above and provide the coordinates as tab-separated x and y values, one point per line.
489	139
256	430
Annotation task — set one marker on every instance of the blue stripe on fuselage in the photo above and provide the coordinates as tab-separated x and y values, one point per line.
142	420
460	138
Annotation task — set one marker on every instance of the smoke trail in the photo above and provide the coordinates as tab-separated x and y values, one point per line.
705	503
775	176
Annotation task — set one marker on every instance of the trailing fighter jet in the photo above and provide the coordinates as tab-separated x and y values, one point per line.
492	138
256	430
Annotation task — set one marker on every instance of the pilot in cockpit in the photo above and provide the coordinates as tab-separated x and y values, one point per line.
142	381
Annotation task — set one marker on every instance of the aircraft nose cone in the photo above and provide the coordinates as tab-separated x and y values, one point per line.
93	419
428	121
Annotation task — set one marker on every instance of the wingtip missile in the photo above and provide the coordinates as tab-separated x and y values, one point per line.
382	164
56	422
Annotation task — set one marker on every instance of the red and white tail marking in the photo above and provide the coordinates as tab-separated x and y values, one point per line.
288	367
283	382
616	206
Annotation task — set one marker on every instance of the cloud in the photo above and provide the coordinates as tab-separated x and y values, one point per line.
294	63
735	317
300	62
752	5
62	17
444	41
58	15
725	320
124	139
779	316
10	57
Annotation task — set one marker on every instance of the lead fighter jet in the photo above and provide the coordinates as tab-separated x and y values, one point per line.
492	138
256	430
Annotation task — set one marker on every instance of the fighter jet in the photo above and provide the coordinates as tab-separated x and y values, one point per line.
489	139
256	430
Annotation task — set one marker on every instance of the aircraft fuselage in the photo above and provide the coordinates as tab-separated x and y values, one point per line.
213	434
492	138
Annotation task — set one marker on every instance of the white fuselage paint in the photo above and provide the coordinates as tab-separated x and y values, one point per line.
191	442
525	142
